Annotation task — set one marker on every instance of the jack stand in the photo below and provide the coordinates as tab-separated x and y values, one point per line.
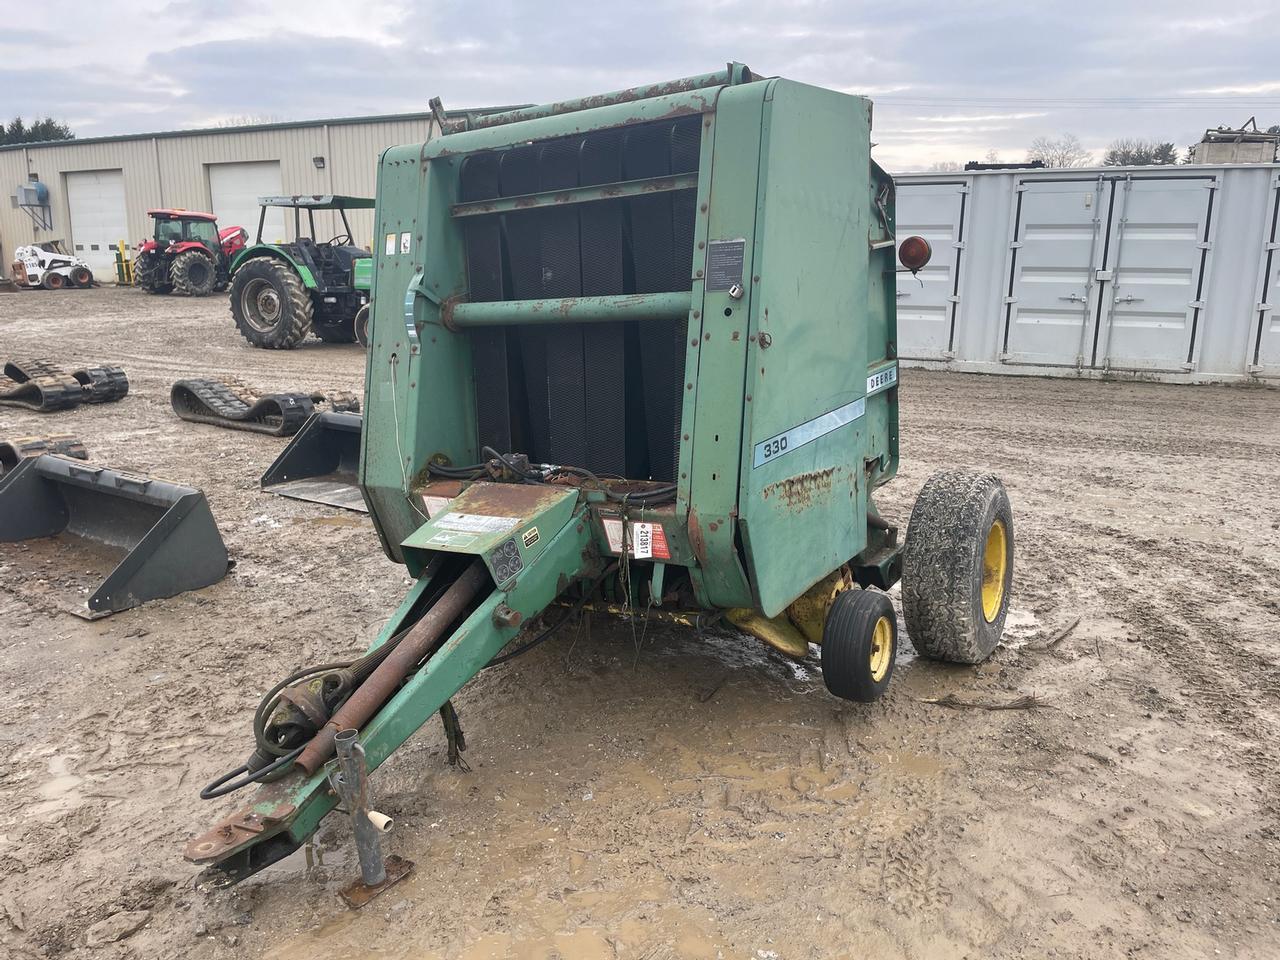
349	777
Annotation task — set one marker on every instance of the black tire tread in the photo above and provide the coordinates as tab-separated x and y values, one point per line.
180	274
297	316
942	557
846	645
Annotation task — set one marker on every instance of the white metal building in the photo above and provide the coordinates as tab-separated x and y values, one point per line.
101	188
1159	272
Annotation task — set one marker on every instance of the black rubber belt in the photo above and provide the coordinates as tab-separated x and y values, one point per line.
524	258
222	404
604	358
661	251
483	236
14	449
561	257
42	386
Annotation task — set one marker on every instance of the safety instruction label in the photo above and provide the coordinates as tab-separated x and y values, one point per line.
476	523
724	263
406	241
391	245
456	540
648	540
434	505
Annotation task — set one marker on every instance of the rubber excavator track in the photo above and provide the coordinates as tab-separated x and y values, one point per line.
43	386
227	402
15	449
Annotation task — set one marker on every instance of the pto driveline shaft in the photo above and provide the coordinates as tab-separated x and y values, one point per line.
373	693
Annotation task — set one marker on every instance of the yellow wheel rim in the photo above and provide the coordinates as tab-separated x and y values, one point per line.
881	649
995	564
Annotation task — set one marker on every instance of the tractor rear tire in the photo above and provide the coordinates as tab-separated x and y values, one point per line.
362	326
193	274
81	277
54	281
957	567
859	645
150	274
271	307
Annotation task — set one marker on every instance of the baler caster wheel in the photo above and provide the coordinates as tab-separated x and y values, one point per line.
859	645
957	567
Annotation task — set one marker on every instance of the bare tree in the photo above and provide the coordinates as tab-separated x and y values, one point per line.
1140	153
1065	151
992	156
945	166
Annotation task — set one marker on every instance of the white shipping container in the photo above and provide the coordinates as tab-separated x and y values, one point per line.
1168	273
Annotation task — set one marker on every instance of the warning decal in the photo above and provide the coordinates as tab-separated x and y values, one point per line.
476	523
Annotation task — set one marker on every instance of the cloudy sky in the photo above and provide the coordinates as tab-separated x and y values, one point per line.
949	83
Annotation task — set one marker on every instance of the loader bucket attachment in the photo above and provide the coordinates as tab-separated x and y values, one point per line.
102	541
320	463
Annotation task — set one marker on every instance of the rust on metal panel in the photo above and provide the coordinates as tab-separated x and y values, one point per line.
697	539
508	499
801	490
230	833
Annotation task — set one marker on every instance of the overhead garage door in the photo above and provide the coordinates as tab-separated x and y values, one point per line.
928	301
234	189
98	219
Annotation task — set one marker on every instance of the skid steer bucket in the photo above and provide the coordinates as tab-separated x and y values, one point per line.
102	541
320	463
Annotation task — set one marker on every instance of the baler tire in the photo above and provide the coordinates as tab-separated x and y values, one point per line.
362	326
859	645
293	322
193	274
957	567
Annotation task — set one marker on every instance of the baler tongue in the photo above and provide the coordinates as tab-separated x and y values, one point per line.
320	463
496	559
103	541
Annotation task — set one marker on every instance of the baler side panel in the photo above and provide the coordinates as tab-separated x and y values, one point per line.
419	393
716	353
803	495
882	338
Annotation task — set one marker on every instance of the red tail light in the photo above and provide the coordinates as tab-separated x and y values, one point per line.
914	253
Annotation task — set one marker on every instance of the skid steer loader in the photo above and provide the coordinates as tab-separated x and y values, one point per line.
631	352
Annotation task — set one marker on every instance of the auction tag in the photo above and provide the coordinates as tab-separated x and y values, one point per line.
648	540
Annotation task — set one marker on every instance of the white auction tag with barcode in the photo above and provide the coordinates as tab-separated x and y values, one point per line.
642	540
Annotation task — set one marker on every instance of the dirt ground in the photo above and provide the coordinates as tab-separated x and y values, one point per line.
651	794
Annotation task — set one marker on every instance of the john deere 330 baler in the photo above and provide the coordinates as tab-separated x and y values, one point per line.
633	353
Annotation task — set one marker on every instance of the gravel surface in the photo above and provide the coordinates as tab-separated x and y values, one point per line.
646	793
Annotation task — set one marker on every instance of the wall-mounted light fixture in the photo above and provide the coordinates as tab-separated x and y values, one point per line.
319	162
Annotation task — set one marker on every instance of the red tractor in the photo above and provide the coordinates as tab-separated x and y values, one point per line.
188	253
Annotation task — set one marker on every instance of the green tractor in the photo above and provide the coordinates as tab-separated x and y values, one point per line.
280	292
